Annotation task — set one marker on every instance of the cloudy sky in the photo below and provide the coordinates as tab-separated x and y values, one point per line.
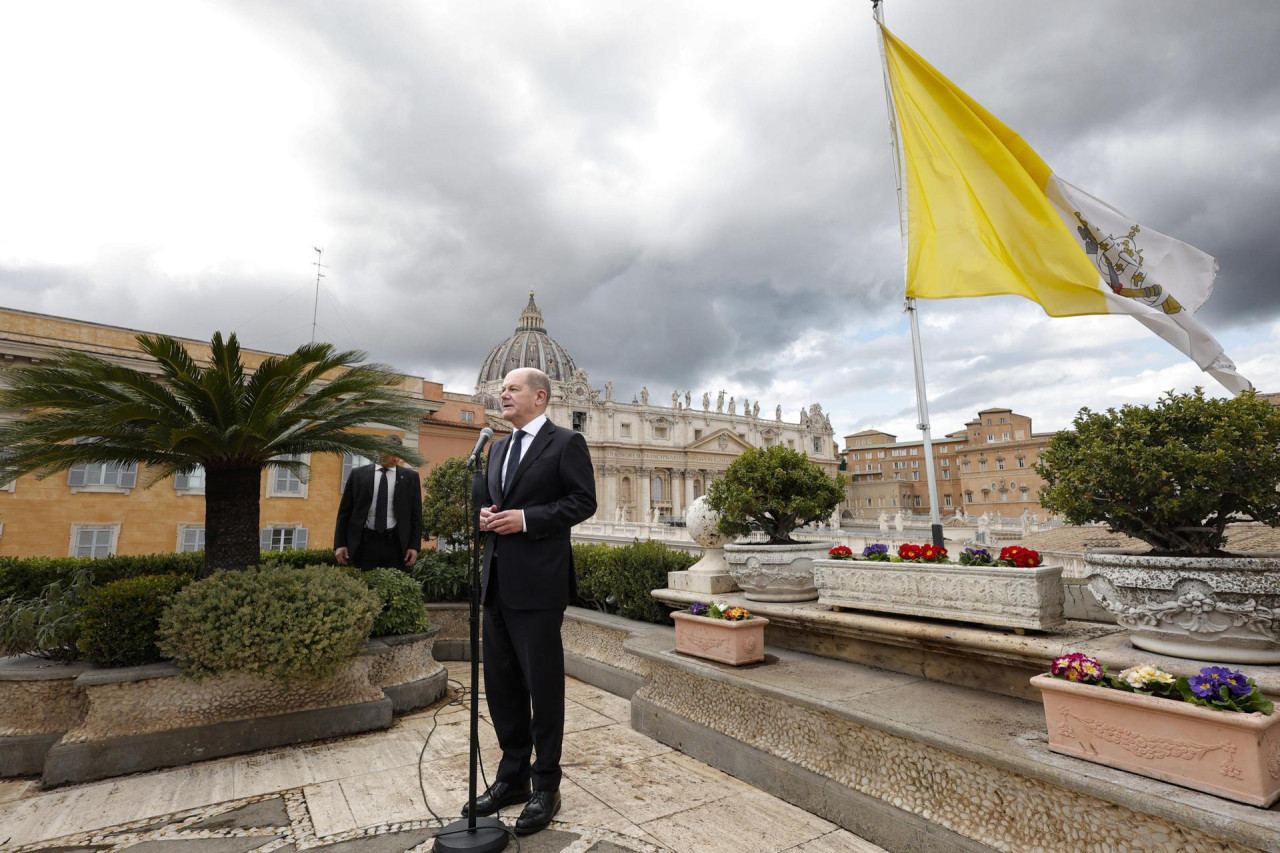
701	194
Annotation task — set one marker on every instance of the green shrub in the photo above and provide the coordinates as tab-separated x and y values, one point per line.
120	621
279	623
778	489
443	575
1173	474
299	559
46	625
26	577
620	579
402	605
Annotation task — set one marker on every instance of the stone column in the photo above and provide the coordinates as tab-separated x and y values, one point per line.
644	504
607	498
676	487
688	486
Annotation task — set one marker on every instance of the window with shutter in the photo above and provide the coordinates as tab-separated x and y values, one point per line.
190	539
93	541
350	461
191	482
283	483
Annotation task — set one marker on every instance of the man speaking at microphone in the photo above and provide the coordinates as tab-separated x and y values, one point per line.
539	483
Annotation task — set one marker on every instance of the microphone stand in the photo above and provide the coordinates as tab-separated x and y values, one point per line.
472	834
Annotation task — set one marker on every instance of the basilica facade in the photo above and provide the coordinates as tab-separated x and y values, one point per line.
655	454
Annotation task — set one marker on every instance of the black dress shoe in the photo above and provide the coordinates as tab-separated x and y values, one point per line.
542	807
498	795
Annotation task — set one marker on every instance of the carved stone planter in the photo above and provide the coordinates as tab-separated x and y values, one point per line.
775	572
1232	755
987	595
1225	610
734	643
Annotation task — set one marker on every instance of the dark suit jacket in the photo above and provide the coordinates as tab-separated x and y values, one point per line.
358	496
555	486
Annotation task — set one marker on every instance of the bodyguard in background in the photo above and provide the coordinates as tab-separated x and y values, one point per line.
539	483
380	517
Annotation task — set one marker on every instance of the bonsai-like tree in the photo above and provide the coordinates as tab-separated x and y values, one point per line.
1173	475
444	509
777	488
80	409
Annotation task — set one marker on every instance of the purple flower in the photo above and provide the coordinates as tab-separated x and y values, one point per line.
1211	680
1238	684
871	550
699	609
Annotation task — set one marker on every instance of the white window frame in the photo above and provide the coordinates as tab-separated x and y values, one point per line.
185	528
123	473
113	531
350	462
468	416
275	473
182	483
267	539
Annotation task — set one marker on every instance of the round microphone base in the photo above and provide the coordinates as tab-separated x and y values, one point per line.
489	836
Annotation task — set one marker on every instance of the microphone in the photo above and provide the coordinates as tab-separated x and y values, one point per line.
486	435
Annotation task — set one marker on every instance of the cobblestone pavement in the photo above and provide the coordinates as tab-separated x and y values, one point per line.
622	792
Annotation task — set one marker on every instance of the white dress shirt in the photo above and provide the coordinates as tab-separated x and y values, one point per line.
530	430
371	521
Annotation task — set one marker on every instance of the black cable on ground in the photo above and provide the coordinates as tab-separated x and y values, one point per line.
461	701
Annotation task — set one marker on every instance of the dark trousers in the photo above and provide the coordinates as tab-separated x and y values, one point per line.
524	685
379	551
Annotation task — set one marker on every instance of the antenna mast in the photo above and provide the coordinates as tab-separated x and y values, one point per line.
319	275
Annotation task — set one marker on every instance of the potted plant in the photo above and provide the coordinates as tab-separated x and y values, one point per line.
1012	590
1214	731
776	490
1174	475
721	633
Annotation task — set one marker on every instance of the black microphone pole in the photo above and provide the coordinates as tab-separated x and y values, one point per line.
473	834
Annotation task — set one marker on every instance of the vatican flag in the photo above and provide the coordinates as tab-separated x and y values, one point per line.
985	216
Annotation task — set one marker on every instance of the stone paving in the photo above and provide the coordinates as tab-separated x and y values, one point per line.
622	792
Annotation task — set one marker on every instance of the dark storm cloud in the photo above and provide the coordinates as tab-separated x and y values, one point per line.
703	193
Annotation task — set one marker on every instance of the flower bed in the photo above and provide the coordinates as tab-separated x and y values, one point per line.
1010	591
1213	732
721	633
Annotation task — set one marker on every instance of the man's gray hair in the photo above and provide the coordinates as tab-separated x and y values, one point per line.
394	439
539	381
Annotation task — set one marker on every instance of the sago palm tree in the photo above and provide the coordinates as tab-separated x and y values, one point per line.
79	409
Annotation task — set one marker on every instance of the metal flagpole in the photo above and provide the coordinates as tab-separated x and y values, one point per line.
922	401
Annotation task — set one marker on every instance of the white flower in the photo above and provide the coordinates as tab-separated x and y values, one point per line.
1140	677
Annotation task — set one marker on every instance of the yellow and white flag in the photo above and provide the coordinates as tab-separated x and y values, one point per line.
985	216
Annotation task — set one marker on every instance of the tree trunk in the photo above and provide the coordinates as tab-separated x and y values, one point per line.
231	517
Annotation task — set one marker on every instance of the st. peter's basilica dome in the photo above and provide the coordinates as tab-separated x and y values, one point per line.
528	346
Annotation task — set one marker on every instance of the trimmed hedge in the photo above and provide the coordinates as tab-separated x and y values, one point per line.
120	621
26	577
619	579
279	623
403	610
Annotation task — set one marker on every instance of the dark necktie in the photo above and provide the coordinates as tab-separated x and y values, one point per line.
380	503
513	460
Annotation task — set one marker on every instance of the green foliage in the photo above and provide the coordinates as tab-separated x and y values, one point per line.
299	559
1173	475
47	625
443	575
402	605
778	489
120	621
279	623
620	579
25	577
444	509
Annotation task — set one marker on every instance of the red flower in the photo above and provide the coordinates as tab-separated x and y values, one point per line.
933	553
840	551
1023	558
909	552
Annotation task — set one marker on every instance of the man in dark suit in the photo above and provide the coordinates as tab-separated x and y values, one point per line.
380	516
538	484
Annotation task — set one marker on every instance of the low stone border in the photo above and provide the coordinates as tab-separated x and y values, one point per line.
975	777
106	722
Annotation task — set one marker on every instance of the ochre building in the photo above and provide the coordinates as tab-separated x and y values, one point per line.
97	510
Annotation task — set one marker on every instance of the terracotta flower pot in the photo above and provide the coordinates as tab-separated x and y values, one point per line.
734	643
1225	753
